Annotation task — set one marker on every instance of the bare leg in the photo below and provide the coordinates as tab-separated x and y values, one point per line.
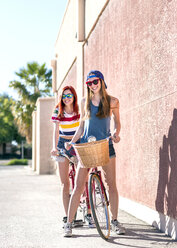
81	177
64	177
109	172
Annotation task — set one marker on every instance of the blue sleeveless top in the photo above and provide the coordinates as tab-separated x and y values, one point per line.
94	126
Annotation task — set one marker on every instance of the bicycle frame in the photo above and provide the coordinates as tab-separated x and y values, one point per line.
98	200
72	174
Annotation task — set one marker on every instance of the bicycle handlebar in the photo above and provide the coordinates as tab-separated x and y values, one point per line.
109	137
63	153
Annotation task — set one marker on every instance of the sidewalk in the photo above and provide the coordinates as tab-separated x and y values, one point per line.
31	213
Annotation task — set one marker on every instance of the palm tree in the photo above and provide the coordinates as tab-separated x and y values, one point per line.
34	81
8	130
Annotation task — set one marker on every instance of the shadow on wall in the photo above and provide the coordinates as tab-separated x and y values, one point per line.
166	200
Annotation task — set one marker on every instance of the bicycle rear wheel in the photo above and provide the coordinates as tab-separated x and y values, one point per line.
99	206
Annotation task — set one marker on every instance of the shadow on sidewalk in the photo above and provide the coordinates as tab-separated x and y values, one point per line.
144	235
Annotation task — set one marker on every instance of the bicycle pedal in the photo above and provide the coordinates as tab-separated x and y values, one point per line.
77	223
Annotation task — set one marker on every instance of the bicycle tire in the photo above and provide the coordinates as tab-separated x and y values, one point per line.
99	206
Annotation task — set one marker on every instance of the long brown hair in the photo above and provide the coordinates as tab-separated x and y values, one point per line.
104	105
61	104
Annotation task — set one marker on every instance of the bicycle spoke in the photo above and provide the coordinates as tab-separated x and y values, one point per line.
99	206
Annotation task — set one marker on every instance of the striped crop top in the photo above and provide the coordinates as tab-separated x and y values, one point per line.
67	124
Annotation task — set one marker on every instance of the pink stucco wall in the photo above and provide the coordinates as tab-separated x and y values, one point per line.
134	45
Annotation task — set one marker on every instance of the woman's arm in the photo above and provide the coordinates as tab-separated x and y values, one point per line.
116	115
55	138
80	129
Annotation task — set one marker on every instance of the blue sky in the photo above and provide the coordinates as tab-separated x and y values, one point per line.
28	31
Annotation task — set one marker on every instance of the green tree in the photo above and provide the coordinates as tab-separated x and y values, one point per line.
34	81
8	130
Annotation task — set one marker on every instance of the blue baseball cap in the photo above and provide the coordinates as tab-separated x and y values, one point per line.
98	74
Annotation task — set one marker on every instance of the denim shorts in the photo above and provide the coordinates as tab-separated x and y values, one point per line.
61	145
112	153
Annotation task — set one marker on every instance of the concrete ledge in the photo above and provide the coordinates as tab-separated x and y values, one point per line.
164	223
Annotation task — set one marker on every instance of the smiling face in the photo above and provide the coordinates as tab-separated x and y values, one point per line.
94	85
67	97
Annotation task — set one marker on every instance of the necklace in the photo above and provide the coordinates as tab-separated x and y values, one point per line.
69	112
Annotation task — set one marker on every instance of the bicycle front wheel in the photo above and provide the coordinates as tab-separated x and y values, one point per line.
99	206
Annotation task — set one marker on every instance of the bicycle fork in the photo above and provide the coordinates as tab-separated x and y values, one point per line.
103	190
72	174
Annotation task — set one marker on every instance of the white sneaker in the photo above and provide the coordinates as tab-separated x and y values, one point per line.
90	220
64	221
68	230
117	227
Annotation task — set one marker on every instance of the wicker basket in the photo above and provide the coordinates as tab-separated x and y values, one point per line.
93	154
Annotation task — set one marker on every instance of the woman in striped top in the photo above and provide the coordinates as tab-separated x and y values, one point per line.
66	120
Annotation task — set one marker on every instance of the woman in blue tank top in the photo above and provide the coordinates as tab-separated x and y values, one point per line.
96	111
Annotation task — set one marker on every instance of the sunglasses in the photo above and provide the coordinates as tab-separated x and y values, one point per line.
67	96
95	82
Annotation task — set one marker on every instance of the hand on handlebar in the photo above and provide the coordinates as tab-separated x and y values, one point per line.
54	152
115	138
68	145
